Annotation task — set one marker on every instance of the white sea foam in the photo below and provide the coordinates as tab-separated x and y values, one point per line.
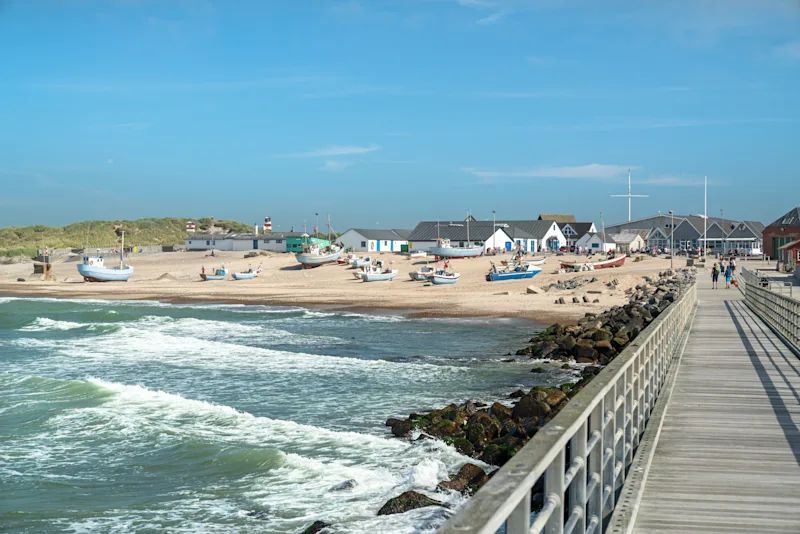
41	324
314	459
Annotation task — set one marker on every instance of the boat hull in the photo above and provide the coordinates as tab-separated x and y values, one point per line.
498	277
613	262
315	260
212	277
457	252
440	280
91	273
419	277
379	277
244	276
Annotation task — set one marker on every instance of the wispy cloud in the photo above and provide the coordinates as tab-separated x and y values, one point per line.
593	171
511	95
645	123
677	180
344	150
493	18
187	86
787	50
333	165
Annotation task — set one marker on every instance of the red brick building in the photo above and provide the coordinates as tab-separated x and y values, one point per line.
781	232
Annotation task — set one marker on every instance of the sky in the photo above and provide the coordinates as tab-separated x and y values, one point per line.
386	112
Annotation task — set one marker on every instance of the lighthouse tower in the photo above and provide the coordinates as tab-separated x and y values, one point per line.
267	224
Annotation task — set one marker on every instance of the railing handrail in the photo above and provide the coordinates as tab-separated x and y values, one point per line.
584	422
781	313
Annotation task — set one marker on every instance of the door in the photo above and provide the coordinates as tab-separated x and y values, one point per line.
508	246
403	248
255	244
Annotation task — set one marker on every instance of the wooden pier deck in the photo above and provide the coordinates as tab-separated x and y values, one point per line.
728	456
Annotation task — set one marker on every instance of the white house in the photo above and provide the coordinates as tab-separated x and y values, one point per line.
593	241
574	230
373	240
483	233
271	241
543	235
208	242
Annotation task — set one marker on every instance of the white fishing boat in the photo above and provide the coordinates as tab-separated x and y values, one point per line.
314	254
444	278
422	274
361	262
93	268
444	249
382	276
418	254
249	274
369	268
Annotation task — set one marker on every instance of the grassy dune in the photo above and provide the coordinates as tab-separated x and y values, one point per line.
25	240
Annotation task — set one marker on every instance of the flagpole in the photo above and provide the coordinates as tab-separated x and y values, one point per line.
705	215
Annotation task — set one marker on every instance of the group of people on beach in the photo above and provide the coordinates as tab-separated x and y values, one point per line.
728	268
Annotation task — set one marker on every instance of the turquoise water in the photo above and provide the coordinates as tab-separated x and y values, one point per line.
149	417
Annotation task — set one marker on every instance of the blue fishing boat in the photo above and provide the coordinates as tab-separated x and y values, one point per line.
218	274
93	268
518	272
444	278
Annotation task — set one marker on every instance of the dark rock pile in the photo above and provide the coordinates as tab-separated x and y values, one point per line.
495	433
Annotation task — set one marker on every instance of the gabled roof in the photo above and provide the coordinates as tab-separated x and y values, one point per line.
557	217
380	235
625	238
454	230
537	229
756	226
579	227
609	238
402	233
514	232
790	218
743	231
787	246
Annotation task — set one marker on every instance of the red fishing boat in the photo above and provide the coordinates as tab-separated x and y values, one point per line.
616	261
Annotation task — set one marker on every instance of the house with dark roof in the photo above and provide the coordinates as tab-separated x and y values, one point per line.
485	233
596	242
375	240
575	230
271	241
628	241
782	231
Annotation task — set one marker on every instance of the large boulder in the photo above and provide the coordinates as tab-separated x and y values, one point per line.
500	412
317	527
469	478
555	396
602	335
401	428
528	406
410	500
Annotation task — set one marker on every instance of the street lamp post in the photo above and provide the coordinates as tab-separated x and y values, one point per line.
671	238
724	241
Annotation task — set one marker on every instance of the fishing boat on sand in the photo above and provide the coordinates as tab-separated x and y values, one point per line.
249	274
422	274
518	272
532	261
616	261
358	263
93	268
444	278
378	274
444	249
314	255
418	254
218	274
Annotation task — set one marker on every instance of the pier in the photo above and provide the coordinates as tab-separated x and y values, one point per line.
695	427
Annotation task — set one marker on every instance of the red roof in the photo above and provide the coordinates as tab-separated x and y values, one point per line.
787	246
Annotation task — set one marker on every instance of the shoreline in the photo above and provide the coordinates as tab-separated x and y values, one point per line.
43	290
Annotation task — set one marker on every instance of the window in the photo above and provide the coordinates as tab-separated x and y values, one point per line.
385	243
279	240
267	240
595	245
364	244
208	242
461	244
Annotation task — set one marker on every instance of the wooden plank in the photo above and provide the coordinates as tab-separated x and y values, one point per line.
728	457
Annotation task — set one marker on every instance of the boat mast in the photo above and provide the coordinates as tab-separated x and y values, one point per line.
705	215
121	252
468	244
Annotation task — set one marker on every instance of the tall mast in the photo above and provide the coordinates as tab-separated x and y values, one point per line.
603	226
121	251
629	195
705	214
437	231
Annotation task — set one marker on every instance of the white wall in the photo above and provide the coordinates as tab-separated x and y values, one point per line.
554	231
204	244
273	245
354	240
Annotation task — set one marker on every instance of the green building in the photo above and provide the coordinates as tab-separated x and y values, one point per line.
295	243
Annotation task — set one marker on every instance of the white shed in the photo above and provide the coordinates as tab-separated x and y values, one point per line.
592	241
374	240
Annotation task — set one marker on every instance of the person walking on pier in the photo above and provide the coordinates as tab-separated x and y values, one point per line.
728	276
714	275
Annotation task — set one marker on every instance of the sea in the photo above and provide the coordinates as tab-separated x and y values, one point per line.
132	416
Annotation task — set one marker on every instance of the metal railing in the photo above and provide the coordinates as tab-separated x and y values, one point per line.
780	312
585	451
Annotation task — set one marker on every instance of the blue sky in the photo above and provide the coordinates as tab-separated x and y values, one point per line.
385	112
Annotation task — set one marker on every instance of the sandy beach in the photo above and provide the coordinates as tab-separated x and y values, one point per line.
174	277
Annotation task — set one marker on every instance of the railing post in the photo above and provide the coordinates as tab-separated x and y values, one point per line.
554	487
594	507
577	490
519	522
